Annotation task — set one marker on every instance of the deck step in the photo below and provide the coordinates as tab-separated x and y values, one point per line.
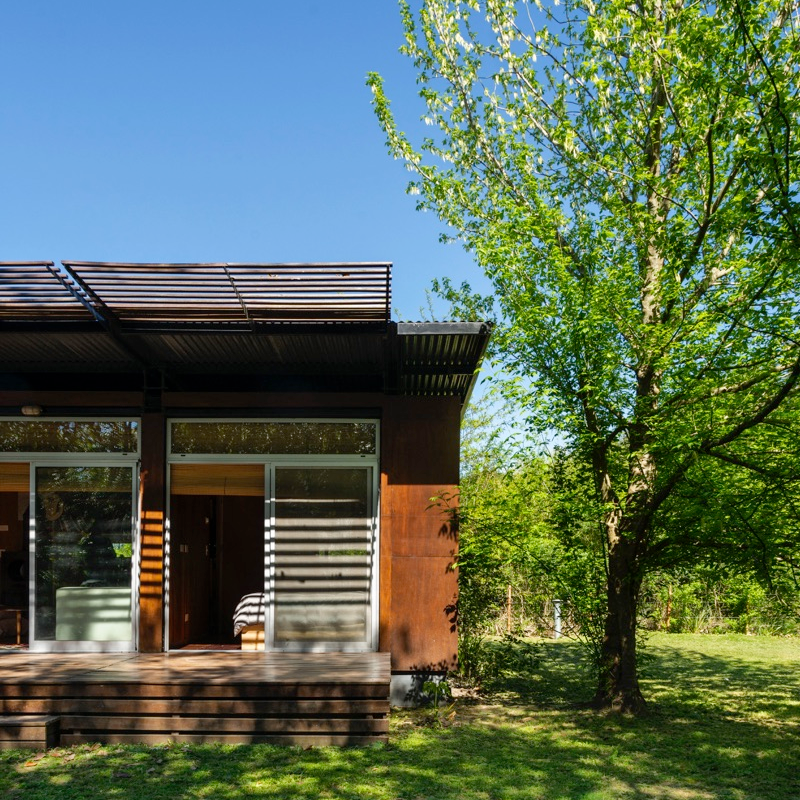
224	706
188	725
37	731
307	700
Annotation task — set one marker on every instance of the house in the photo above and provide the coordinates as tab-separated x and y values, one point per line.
216	457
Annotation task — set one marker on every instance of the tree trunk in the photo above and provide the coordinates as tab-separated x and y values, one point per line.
618	687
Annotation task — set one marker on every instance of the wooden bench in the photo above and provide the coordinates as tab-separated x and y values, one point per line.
253	637
36	731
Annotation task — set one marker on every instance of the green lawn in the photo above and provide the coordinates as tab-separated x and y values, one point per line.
724	722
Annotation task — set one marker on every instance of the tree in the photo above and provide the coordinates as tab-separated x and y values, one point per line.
626	173
525	530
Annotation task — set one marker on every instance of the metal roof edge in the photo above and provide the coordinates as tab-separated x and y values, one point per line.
478	364
439	328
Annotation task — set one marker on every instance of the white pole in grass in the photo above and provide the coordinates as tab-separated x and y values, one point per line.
557	620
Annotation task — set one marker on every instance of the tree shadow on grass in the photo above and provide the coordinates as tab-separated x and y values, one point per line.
553	755
720	726
562	678
685	681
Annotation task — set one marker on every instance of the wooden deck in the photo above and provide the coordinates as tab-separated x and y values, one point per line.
235	697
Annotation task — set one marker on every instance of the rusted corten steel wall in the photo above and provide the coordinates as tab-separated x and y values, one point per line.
419	461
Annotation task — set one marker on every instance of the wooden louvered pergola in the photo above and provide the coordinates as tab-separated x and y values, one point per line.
137	293
39	291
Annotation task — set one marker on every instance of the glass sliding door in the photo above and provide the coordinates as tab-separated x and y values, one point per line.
83	558
322	561
316	588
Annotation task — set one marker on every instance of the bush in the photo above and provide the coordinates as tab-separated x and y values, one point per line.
484	660
695	603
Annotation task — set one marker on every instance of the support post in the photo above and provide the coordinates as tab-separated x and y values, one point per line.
152	509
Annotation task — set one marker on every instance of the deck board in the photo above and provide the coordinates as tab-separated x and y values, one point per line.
317	698
192	667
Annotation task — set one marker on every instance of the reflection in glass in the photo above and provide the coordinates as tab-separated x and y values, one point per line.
323	555
286	438
84	551
58	436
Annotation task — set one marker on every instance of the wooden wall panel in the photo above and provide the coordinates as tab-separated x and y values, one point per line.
12	535
420	441
424	535
152	507
14	489
15	477
419	461
243	480
385	569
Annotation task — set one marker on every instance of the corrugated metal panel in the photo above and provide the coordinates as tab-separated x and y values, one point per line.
289	353
92	352
442	362
440	359
436	385
331	352
440	350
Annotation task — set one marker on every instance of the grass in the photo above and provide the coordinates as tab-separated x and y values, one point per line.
724	722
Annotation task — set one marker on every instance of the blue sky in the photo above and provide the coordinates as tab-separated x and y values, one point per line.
210	131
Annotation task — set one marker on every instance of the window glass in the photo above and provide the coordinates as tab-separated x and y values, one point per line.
84	551
60	436
285	438
323	555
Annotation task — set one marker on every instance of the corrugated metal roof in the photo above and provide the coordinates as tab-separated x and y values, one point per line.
215	319
63	351
291	353
441	358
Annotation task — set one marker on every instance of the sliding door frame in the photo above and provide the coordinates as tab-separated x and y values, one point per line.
84	460
371	641
270	462
80	458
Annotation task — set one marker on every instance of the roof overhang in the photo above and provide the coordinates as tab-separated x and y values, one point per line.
270	326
